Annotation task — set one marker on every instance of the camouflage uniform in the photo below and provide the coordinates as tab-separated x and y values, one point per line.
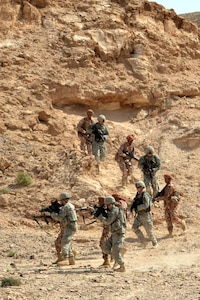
83	135
116	221
68	219
142	206
99	136
105	232
171	200
124	161
104	236
149	166
59	239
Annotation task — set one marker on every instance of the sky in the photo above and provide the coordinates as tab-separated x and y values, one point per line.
180	6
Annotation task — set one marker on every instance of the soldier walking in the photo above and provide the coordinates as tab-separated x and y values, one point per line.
124	157
142	206
116	220
100	135
84	136
171	200
68	219
150	164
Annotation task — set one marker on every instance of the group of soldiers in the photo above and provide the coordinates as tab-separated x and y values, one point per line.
112	210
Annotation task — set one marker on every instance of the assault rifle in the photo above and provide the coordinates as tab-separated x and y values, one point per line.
46	212
99	134
130	155
55	207
91	211
86	135
148	169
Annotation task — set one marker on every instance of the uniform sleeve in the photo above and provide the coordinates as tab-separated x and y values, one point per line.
106	134
80	124
158	164
146	203
111	218
62	214
120	151
141	163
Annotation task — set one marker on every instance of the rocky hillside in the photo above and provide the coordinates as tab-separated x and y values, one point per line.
193	17
134	61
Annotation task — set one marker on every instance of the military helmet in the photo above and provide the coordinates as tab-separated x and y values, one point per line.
109	200
101	118
140	184
149	149
65	196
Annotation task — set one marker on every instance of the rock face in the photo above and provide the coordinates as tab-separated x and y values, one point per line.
103	54
138	64
134	61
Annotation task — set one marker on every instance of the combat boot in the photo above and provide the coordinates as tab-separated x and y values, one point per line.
71	260
98	168
121	268
124	181
183	226
59	258
64	262
170	234
75	253
106	262
122	251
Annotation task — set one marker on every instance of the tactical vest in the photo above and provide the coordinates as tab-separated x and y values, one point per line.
138	200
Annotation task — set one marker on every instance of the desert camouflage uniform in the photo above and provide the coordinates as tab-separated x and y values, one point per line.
143	217
59	239
171	201
83	135
116	221
104	236
124	162
68	219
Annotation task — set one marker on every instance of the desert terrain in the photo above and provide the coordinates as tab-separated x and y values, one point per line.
138	64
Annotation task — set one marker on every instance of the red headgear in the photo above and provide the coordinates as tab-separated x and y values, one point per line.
170	176
130	137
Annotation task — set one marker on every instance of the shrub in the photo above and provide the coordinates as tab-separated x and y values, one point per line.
23	179
11	253
4	191
10	281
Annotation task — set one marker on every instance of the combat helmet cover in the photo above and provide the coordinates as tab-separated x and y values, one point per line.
65	196
109	200
149	149
101	118
140	184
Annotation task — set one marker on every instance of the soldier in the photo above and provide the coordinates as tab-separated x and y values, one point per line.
171	199
99	136
142	206
150	164
83	135
121	203
116	221
68	219
104	235
124	157
58	245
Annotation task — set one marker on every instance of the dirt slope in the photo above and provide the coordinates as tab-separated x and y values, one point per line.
138	64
